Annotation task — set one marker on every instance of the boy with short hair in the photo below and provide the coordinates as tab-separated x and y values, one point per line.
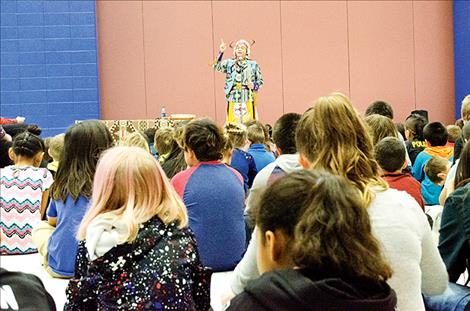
256	136
436	170
454	133
390	154
435	135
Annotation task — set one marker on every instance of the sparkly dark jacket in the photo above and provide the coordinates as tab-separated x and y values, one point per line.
160	270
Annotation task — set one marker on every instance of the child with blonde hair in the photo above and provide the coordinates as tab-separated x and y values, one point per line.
136	139
135	249
257	137
56	147
24	190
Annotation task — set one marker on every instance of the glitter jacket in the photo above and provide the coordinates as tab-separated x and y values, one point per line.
160	270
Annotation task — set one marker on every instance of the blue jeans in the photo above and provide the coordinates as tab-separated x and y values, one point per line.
455	298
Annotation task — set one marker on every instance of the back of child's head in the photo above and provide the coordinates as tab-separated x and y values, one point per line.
460	123
136	139
130	186
465	109
284	132
325	223
256	133
27	145
83	144
435	133
415	124
150	134
205	139
236	133
454	132
381	108
390	154
164	140
435	167
380	127
56	146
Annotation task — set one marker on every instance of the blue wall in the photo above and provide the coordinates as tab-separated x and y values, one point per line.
461	52
48	62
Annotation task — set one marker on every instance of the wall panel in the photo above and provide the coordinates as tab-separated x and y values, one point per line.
178	56
121	59
314	51
381	54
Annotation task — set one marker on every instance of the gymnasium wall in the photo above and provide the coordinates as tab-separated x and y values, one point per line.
48	63
159	53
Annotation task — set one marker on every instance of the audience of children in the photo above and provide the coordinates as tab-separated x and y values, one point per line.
70	195
56	147
415	143
390	154
24	191
332	136
138	235
135	251
242	161
214	196
308	261
258	149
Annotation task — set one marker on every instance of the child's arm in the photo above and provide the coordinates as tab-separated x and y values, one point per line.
45	198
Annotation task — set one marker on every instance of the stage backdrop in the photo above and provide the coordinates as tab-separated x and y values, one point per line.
159	53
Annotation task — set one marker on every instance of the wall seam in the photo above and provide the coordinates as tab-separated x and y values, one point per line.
145	64
414	51
282	56
213	57
349	56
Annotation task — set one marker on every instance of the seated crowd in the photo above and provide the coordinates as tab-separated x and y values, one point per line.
325	212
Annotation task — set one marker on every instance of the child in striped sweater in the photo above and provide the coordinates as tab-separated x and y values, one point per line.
23	194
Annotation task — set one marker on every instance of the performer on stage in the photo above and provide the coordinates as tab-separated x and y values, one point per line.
243	79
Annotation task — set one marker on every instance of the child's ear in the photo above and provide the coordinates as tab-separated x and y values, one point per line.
442	176
11	154
427	143
405	164
303	161
275	245
408	134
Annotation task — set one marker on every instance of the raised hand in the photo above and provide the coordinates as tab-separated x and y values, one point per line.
223	46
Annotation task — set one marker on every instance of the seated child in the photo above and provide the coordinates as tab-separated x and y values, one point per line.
380	127
415	143
56	147
390	154
436	170
135	251
24	189
136	139
454	133
172	161
242	161
163	143
435	135
214	196
257	138
316	250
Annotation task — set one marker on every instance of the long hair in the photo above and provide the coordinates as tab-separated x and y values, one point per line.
380	127
325	222
130	186
83	144
462	175
333	137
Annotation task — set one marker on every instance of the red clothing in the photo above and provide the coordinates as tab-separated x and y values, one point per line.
5	121
405	182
